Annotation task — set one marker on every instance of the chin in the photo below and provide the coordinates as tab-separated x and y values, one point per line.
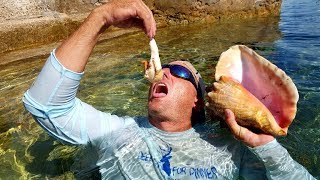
153	109
156	110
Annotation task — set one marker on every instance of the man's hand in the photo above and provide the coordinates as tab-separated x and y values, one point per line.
128	13
243	134
74	52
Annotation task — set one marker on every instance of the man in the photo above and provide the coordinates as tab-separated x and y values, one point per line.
168	144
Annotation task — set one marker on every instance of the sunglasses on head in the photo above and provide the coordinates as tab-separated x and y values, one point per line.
181	72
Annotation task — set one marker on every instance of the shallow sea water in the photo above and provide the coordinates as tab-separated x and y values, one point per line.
114	82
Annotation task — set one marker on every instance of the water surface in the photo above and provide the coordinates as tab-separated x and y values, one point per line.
113	82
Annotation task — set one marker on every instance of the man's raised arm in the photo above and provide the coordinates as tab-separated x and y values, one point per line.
52	97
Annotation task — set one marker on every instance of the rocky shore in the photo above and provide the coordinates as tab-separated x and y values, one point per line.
31	23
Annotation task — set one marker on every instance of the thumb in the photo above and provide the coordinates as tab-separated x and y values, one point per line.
232	123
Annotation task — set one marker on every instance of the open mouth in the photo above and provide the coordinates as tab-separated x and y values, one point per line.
160	90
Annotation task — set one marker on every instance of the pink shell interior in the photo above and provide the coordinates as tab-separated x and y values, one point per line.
263	79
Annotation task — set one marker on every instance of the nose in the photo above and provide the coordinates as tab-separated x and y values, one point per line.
167	73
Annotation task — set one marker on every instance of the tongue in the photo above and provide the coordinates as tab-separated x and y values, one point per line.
161	91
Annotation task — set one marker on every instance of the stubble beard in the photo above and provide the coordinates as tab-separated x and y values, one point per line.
159	112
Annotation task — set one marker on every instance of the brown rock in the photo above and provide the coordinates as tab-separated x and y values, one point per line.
27	23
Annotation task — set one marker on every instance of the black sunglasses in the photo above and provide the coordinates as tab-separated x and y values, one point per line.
181	72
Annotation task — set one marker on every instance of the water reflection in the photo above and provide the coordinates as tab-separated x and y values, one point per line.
114	82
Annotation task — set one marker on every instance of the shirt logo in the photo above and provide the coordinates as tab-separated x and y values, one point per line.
165	160
178	171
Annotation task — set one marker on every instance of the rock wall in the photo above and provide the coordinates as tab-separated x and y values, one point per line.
28	9
29	23
213	10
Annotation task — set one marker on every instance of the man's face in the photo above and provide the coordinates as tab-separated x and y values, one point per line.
171	96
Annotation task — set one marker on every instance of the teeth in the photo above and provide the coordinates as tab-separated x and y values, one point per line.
161	85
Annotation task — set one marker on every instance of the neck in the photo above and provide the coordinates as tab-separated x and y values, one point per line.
170	125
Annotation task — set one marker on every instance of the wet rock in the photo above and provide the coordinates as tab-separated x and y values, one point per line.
28	23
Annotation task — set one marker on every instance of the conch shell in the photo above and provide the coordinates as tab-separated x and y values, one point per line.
259	93
153	69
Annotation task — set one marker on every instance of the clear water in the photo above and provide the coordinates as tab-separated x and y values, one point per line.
114	82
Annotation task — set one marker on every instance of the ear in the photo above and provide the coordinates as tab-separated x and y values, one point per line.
195	101
199	104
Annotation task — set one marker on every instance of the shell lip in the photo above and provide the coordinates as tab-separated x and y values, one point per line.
243	64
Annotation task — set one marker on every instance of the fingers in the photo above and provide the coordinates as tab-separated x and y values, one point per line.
130	13
149	22
236	130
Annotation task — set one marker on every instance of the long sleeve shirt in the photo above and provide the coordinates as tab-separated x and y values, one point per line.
131	148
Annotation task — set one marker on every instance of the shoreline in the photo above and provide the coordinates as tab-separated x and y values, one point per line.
37	30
